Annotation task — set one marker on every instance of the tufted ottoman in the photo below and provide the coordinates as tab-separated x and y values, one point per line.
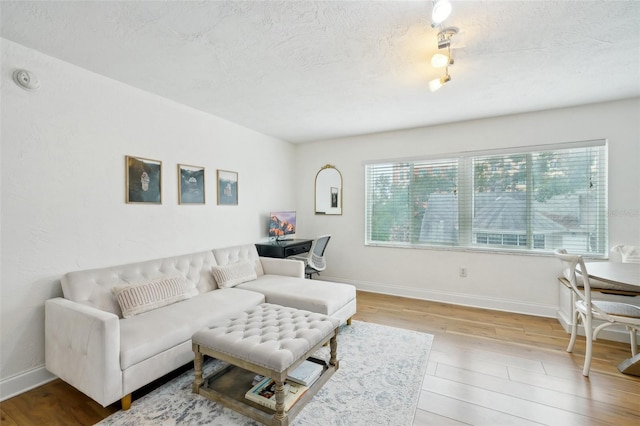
270	340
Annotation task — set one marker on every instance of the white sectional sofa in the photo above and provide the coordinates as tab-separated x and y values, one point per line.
107	352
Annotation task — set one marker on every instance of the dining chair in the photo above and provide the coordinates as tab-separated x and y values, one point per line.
314	260
586	309
628	254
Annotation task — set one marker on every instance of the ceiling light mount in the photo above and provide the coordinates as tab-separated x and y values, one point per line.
445	35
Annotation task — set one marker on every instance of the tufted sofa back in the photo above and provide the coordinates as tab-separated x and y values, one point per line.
93	287
228	255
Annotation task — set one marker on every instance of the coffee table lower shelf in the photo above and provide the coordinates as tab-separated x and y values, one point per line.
229	384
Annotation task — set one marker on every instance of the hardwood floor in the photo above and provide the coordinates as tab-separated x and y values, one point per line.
486	367
489	367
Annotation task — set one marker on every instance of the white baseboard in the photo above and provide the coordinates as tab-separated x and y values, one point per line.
547	311
23	382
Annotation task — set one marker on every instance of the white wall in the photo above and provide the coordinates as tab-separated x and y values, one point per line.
63	182
499	281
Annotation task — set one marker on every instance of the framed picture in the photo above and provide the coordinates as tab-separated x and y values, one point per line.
190	184
334	197
143	180
227	188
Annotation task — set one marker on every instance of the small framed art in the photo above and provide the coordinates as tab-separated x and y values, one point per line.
143	180
334	197
190	184
227	188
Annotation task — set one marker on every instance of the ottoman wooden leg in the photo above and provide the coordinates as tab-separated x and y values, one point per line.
333	344
197	366
280	418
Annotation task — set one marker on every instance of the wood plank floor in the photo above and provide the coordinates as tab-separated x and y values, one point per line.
497	368
485	368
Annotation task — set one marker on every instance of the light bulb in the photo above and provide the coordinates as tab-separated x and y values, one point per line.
441	11
435	84
438	82
440	61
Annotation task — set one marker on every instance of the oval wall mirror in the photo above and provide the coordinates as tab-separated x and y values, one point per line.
329	190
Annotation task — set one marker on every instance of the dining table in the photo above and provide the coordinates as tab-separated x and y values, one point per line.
615	272
627	274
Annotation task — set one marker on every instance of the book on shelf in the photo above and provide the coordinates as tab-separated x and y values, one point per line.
306	373
264	393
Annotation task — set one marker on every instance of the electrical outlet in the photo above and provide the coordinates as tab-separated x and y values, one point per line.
463	272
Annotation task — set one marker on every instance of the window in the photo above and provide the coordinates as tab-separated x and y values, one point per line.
534	199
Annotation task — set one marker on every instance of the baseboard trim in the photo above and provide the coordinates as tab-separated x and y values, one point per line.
474	301
547	311
24	382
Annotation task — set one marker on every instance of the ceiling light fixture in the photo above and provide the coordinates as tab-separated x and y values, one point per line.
441	11
439	82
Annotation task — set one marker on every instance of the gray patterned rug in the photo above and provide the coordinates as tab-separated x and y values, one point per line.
378	383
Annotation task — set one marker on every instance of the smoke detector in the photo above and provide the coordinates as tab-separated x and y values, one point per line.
26	80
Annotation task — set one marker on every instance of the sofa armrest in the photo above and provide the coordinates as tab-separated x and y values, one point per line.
82	347
275	266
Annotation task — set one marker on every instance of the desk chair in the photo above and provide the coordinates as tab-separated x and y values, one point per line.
585	309
314	261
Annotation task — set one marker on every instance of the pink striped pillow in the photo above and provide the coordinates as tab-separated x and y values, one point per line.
145	296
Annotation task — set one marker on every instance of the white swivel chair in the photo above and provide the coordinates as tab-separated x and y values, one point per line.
314	260
585	309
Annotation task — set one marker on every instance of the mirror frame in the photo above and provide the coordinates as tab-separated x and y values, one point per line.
326	190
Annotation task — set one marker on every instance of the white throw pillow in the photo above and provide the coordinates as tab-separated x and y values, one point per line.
234	273
137	298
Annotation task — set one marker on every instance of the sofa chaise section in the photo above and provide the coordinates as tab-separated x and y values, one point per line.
324	297
334	299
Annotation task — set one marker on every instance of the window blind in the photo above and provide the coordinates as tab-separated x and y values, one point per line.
538	200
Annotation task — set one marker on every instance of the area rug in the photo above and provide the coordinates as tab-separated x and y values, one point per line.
378	383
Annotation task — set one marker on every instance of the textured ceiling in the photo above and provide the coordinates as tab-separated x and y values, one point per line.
310	70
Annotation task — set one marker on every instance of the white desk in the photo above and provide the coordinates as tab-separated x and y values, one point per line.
619	273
